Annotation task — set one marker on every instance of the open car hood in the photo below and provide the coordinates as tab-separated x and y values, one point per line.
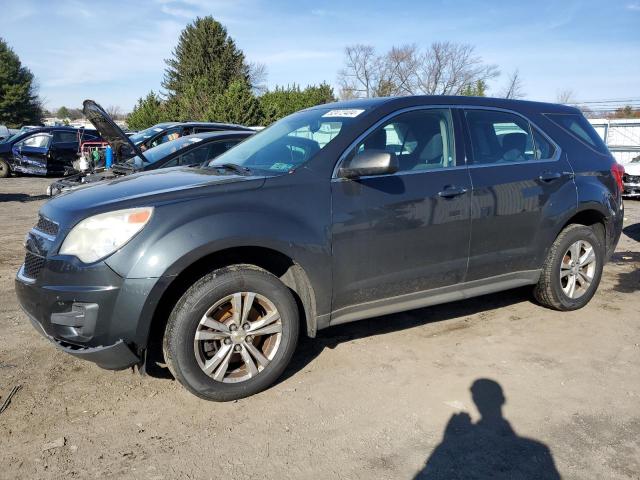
123	147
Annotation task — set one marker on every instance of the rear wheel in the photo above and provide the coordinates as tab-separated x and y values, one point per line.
232	333
5	171
572	271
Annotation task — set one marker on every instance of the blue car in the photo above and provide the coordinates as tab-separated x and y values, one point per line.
43	150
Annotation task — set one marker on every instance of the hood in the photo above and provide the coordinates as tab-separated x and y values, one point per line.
632	168
123	147
146	188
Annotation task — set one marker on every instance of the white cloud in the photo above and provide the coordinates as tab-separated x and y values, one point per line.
178	12
634	7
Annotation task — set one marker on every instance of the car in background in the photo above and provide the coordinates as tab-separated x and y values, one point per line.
183	152
631	178
193	149
4	132
43	150
167	131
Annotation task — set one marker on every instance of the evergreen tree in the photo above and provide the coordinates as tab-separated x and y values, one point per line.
19	103
283	101
236	105
63	112
147	112
204	51
479	89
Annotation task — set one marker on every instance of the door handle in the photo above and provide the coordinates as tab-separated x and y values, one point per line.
550	176
452	191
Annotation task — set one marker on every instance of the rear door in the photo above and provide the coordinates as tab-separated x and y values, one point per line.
520	177
63	149
407	232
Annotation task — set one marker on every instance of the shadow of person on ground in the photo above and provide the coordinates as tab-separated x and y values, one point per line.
488	449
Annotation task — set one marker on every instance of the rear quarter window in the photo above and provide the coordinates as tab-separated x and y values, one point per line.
580	128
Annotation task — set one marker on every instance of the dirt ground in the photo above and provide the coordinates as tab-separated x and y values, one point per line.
365	400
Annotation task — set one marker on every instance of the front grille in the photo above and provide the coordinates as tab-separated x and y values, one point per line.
45	225
33	265
631	178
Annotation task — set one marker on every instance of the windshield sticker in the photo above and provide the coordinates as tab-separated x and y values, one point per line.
281	166
344	112
194	140
157	129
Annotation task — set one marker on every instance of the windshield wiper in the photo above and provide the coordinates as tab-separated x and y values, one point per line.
234	167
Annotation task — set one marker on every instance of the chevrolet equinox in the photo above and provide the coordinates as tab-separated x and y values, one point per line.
333	214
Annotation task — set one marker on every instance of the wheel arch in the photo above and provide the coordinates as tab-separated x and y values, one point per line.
291	273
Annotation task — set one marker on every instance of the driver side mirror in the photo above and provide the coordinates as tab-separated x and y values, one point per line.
369	162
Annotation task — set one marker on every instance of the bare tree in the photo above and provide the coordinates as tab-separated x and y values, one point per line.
565	96
361	72
445	68
513	89
258	77
400	65
114	111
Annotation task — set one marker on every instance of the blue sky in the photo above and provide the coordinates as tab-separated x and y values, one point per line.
114	51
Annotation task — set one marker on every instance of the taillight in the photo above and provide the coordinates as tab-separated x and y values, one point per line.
617	171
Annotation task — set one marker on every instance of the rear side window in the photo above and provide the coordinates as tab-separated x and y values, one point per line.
579	127
503	137
65	137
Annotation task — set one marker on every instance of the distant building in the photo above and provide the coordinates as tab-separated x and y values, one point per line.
622	136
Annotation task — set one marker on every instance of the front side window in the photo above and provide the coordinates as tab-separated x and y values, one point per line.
218	148
168	136
195	156
39	140
421	139
290	142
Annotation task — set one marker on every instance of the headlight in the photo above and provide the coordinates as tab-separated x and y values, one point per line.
99	236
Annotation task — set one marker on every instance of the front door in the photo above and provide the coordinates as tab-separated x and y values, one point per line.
519	177
403	233
30	154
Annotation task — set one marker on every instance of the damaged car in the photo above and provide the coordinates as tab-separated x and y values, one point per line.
43	151
193	149
631	178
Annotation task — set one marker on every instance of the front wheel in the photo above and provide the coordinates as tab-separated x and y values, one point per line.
572	271
232	333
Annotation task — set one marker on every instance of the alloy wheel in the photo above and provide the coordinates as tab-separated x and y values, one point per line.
577	269
238	337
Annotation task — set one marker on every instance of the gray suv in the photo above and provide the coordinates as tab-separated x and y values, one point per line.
333	214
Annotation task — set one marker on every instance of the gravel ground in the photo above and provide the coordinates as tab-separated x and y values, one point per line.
366	400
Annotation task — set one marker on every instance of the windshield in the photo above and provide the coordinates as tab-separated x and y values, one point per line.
290	142
143	135
163	150
12	137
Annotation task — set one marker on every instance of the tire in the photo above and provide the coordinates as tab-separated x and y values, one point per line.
192	347
5	170
554	289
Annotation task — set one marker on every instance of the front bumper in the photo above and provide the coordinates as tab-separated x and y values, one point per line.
112	357
631	190
89	312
